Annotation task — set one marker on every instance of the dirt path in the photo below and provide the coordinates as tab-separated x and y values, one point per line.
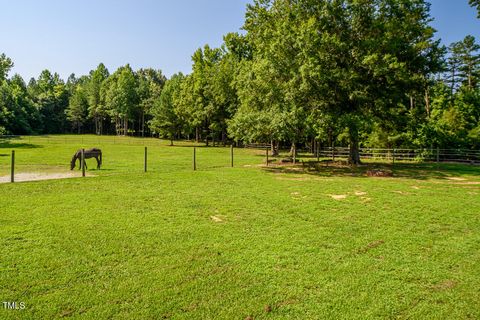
30	176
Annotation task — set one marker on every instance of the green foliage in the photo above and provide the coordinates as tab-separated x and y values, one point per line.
120	97
77	110
96	106
5	65
50	97
475	4
165	120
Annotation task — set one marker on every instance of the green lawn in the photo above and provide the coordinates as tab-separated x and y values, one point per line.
233	243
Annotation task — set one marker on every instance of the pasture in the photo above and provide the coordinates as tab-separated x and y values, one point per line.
234	243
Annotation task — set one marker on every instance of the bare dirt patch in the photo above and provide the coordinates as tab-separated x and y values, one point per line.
216	219
469	183
445	285
366	199
456	179
402	192
31	176
379	173
338	196
297	195
360	193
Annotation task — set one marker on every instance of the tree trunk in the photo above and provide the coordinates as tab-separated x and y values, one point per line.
427	103
125	126
117	125
96	125
354	150
143	124
293	150
276	148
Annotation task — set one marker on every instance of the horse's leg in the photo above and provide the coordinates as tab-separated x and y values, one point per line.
98	162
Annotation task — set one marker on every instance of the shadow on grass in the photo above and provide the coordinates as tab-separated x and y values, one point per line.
16	143
418	171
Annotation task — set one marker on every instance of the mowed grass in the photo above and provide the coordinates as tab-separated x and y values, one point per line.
233	243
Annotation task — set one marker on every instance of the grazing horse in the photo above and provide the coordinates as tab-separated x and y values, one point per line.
89	153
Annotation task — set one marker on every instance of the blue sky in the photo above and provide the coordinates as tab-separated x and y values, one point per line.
68	36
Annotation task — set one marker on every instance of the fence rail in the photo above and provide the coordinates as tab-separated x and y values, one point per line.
436	155
400	154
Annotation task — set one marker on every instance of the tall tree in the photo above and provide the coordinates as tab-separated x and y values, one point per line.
150	85
6	65
469	55
77	111
96	106
166	121
121	97
51	98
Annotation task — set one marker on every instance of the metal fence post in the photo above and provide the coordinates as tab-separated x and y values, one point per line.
12	171
194	158
145	161
231	154
83	162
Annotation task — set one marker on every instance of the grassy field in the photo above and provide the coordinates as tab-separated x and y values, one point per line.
234	243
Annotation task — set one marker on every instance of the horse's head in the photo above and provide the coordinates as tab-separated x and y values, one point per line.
74	160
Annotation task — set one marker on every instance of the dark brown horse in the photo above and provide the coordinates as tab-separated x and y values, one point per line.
89	153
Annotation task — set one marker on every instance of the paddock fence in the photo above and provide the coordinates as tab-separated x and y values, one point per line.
33	157
464	156
38	157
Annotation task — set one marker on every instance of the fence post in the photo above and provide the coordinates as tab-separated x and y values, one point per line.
333	152
266	153
83	162
145	161
12	172
393	156
194	158
231	154
438	154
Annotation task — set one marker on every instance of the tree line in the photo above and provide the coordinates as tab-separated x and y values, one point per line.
303	73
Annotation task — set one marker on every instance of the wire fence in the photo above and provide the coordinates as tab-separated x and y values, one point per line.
394	154
52	155
26	158
419	155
